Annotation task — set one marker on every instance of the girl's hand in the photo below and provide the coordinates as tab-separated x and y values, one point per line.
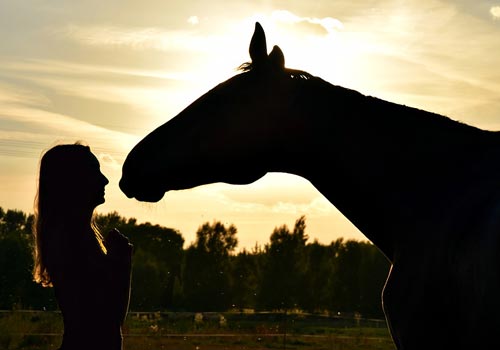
117	244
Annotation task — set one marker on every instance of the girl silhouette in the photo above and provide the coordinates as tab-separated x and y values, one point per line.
90	274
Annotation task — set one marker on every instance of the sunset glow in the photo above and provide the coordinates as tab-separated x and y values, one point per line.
108	74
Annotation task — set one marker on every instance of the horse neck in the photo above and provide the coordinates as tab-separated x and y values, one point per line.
384	165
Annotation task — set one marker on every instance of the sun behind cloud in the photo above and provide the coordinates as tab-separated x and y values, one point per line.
495	12
193	20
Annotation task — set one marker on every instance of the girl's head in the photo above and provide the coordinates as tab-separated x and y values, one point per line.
70	187
70	179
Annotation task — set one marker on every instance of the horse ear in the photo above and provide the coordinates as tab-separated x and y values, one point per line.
258	47
277	58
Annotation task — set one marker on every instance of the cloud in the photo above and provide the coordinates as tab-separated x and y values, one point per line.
55	67
28	126
495	12
316	207
141	38
193	20
33	124
107	96
109	160
276	192
13	95
326	25
186	40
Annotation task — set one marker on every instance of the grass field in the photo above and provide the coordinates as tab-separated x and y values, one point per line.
208	331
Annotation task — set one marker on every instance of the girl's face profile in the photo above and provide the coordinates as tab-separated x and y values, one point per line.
93	182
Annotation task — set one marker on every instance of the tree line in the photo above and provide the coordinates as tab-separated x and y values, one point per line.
286	273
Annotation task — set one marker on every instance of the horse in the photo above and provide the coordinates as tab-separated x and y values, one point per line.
423	188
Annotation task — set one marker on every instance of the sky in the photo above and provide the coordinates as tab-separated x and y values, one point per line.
109	72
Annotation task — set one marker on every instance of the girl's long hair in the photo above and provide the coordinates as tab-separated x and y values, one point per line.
56	207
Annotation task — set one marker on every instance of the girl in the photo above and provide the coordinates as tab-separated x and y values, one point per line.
90	274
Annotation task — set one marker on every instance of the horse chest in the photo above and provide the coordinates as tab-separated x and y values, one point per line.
443	292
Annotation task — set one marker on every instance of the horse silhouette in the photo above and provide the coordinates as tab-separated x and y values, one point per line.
422	187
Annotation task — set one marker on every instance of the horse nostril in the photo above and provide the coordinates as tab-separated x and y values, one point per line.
124	186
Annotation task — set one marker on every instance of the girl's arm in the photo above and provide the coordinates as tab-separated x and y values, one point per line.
119	257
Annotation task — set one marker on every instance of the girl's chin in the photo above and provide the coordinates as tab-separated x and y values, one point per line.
100	200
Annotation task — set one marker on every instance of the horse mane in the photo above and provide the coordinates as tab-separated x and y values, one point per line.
418	116
291	73
397	110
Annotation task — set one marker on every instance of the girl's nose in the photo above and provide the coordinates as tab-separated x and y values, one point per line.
105	180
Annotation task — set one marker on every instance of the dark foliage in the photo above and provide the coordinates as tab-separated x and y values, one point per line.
288	273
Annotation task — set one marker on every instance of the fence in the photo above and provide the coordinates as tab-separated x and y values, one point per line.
42	330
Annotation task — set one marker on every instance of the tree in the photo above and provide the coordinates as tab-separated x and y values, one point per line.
17	288
360	270
156	264
206	276
246	277
343	276
319	270
374	269
283	270
15	274
216	239
13	221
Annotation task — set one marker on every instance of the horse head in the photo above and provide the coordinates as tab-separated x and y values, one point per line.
229	134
